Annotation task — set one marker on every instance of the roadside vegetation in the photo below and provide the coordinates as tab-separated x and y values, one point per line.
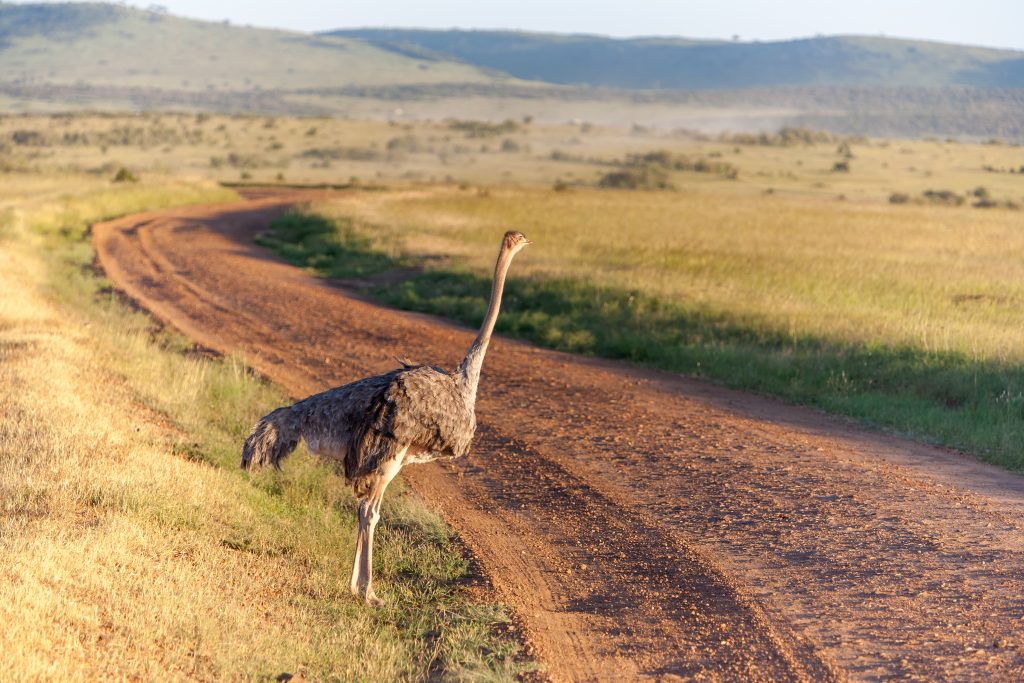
133	546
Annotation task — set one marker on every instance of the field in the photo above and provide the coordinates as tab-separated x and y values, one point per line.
874	278
879	279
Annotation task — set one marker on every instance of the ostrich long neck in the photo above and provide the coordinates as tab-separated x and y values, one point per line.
474	360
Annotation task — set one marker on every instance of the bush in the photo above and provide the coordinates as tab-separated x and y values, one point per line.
336	153
123	175
484	129
841	167
405	144
899	198
29	138
641	178
669	161
785	137
945	197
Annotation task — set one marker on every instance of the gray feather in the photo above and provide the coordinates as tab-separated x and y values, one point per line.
367	422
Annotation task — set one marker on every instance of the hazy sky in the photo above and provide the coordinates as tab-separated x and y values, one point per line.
998	23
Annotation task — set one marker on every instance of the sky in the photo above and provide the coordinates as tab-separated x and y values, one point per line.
992	23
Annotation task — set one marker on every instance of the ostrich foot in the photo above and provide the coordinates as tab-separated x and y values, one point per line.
372	600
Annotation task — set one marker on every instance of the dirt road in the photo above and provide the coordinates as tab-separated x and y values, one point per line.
642	524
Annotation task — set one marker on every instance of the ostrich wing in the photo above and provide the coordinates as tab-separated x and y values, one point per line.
367	422
427	409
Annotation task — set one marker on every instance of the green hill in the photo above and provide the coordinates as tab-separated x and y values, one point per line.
101	45
673	63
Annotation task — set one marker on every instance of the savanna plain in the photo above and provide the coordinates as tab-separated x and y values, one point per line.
873	278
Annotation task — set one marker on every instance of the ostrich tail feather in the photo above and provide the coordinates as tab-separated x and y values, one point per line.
271	440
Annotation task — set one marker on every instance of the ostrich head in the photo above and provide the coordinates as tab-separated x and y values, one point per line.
514	241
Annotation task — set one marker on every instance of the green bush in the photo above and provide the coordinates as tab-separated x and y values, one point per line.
641	178
944	197
123	175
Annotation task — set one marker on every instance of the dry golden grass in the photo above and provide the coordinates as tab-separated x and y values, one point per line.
329	150
939	278
134	549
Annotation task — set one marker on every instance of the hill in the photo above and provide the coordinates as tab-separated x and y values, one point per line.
676	63
65	57
104	45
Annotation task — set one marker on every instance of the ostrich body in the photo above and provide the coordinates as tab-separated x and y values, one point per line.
375	425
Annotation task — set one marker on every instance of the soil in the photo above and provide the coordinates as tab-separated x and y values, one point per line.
643	525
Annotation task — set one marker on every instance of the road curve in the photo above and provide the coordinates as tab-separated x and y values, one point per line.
643	525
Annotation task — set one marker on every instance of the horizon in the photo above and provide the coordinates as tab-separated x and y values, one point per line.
745	21
644	36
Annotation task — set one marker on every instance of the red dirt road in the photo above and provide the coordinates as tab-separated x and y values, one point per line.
642	524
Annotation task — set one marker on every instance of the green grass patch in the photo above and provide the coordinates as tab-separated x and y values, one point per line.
331	247
942	397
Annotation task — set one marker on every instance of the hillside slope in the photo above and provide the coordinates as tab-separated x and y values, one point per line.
108	45
673	63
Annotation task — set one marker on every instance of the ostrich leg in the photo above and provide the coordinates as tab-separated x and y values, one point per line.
369	515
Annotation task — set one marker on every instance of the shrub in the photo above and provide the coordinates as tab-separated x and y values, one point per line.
335	153
406	144
785	137
123	175
484	129
29	138
559	155
841	167
899	198
945	197
641	178
669	161
237	160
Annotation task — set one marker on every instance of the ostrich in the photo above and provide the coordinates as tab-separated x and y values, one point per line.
376	425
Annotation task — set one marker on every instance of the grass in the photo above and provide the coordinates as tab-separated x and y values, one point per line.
133	546
135	549
906	318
